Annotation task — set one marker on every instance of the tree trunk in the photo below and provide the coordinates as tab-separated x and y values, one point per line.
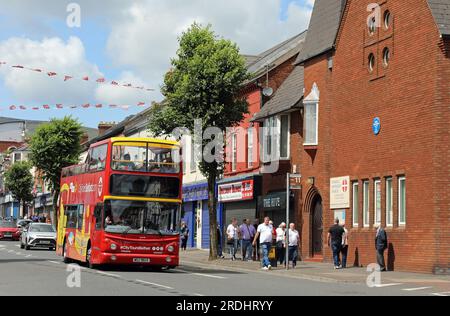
55	207
212	206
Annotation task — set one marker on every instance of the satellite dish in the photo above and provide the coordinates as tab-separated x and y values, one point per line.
268	92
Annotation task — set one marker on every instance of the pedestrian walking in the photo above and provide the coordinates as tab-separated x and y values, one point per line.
381	244
281	243
265	234
248	233
256	249
294	241
344	250
184	233
233	238
334	237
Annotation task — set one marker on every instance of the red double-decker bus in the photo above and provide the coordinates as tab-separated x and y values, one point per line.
123	206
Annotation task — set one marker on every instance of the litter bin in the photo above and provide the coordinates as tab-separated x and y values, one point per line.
273	256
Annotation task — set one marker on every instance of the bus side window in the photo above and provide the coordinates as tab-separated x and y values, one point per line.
80	217
71	215
98	216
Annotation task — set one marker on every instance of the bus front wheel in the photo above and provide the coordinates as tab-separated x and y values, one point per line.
65	257
89	258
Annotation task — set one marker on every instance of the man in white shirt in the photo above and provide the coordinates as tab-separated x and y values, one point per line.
233	238
294	239
265	235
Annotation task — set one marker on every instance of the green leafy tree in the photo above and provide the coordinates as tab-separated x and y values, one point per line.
54	146
203	83
19	181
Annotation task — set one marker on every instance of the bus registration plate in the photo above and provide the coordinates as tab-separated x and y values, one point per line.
141	260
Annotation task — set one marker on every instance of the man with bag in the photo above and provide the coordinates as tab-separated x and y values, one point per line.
233	238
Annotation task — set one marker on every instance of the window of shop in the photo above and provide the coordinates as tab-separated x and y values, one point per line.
366	206
234	152
402	201
250	136
311	124
377	202
355	204
389	203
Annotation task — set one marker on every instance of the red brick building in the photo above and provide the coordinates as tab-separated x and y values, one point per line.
374	130
240	190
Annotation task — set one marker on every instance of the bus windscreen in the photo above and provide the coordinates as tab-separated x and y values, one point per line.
145	186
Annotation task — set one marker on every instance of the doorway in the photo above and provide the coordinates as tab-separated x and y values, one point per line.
317	227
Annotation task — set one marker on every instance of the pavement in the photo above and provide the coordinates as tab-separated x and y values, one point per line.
41	272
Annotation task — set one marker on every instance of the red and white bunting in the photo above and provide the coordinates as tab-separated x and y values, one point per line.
61	106
84	78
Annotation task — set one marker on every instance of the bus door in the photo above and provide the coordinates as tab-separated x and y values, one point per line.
97	224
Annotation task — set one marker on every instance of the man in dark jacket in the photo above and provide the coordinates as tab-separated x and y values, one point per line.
381	244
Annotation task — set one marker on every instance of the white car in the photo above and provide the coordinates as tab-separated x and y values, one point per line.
38	235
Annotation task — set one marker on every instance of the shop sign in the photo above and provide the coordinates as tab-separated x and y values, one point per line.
340	193
237	191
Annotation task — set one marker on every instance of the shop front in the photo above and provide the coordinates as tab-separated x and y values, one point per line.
239	198
273	205
196	215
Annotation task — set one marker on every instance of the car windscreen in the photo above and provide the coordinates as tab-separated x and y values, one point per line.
8	225
41	229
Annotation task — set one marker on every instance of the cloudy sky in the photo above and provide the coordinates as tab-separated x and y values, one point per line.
126	41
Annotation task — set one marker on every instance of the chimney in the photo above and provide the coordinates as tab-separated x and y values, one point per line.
84	138
104	126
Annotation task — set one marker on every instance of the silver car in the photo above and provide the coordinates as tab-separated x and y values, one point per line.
38	235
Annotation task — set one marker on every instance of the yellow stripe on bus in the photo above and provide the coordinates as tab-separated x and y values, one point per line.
141	199
145	140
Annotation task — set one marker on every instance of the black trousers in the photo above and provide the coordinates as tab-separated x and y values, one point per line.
380	259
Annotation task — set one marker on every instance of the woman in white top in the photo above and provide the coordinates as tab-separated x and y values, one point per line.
281	243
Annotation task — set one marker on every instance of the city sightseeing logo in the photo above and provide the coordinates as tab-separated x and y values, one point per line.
90	188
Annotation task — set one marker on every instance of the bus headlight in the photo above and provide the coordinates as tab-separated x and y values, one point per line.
171	248
113	247
168	260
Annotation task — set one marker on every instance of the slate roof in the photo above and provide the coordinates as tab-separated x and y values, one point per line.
441	13
323	28
277	55
287	97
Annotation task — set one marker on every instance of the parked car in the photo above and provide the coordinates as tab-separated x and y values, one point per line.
23	223
9	230
38	235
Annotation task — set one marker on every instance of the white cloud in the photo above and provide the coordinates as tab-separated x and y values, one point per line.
142	40
50	54
108	94
145	37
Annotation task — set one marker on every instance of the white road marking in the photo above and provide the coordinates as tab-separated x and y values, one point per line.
197	294
18	253
18	246
28	256
441	294
155	284
387	285
55	262
109	274
9	251
2	246
209	276
203	275
417	289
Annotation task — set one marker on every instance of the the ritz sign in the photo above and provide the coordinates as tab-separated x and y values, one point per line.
272	202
